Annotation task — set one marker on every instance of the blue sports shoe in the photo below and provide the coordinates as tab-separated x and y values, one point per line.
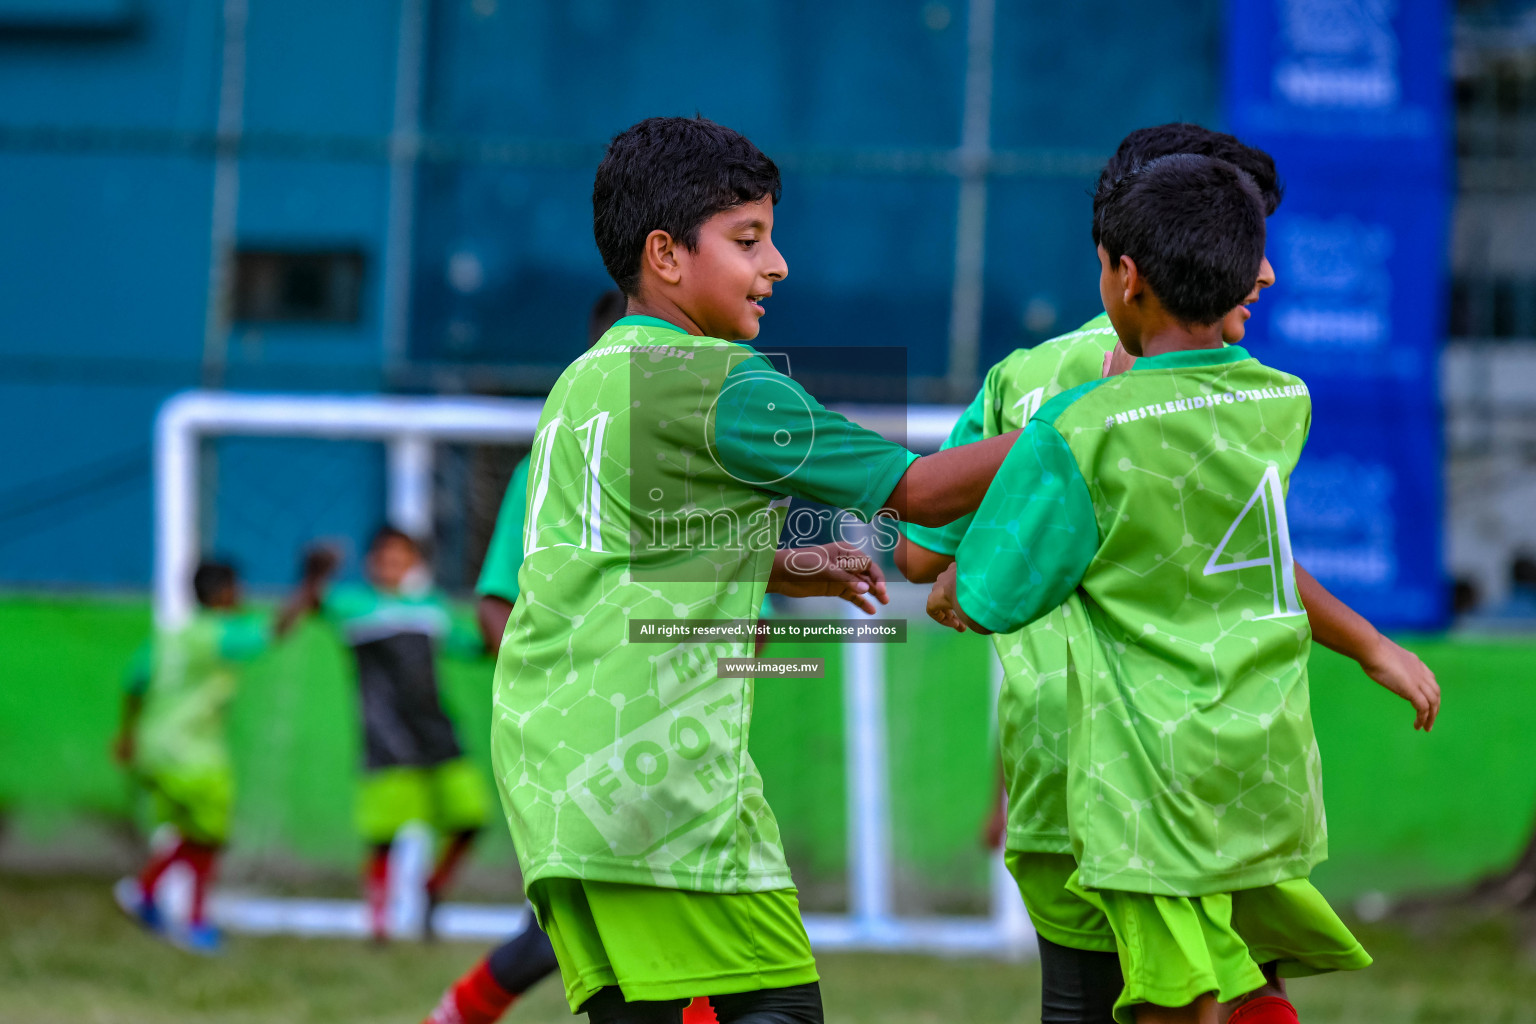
203	939
132	901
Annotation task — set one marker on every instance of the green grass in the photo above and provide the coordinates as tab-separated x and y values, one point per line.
66	957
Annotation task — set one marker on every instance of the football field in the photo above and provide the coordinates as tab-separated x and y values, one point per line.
67	957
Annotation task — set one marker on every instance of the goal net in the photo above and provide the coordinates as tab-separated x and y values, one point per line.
899	883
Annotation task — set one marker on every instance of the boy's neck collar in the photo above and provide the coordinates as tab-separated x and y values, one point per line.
642	320
1187	357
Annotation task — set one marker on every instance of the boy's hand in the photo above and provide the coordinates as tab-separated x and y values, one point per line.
995	829
941	601
320	561
1402	672
829	570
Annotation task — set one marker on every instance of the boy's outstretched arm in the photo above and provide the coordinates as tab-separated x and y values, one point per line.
497	585
135	683
944	606
123	743
1029	544
491	614
942	487
837	569
1340	628
921	554
919	564
319	564
994	829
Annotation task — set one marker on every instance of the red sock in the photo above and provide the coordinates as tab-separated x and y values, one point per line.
1265	1010
376	885
452	854
699	1012
475	998
150	876
201	860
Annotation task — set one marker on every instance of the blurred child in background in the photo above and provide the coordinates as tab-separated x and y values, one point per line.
172	734
414	768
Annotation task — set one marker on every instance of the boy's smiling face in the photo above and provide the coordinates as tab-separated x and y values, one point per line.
722	283
1235	324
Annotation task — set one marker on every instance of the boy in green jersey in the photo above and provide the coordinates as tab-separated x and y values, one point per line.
1158	496
654	493
1080	971
414	769
487	990
172	735
496	982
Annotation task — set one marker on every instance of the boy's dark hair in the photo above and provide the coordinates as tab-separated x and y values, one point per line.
1147	144
211	579
387	533
608	308
671	174
1194	226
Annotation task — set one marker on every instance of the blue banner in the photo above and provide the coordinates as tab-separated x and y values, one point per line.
1350	97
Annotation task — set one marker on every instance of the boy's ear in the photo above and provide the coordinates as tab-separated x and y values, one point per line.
1130	278
660	257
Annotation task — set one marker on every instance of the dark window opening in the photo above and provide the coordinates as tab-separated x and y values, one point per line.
1488	306
65	18
298	287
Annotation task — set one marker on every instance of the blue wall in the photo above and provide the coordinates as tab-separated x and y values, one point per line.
106	172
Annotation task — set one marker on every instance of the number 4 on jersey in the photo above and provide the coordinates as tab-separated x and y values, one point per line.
1270	497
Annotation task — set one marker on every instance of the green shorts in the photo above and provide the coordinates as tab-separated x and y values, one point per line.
450	797
658	944
1174	949
1058	913
196	802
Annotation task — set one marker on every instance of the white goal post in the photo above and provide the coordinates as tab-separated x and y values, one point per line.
409	427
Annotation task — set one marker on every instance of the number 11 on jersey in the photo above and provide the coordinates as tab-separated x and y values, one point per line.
590	435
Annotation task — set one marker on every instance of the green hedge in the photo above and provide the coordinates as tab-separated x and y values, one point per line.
1406	811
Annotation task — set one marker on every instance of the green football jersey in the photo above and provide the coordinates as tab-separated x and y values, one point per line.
363	614
1032	703
191	680
656	490
1159	496
504	555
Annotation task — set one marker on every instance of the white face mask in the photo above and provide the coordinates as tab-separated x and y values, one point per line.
417	582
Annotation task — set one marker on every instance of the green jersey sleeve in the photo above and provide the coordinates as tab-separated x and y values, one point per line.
464	640
770	434
504	557
1033	537
969	428
140	668
243	639
346	601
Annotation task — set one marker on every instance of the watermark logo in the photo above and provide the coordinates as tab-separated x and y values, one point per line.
720	441
763	396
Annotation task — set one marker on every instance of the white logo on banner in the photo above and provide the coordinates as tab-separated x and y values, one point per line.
1338	53
1342	523
1339	293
